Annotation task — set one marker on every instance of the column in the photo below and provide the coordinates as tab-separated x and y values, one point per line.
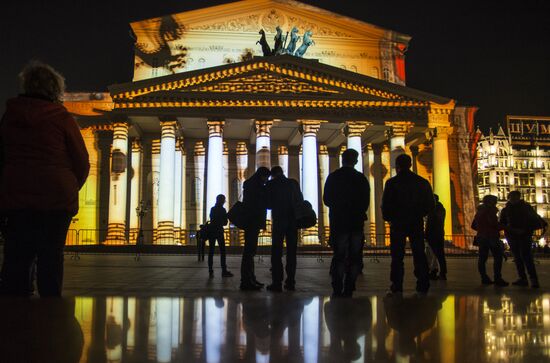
155	177
340	152
263	143
282	151
301	170
178	190
166	182
214	174
396	135
242	167
135	188
441	172
226	174
200	156
354	130
310	185
184	222
119	184
324	170
372	208
386	167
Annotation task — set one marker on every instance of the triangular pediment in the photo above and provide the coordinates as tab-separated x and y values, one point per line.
272	78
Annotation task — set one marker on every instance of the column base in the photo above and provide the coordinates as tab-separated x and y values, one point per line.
165	235
177	236
326	233
116	234
310	236
133	236
387	234
372	233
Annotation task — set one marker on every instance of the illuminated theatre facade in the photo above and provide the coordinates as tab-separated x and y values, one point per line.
206	108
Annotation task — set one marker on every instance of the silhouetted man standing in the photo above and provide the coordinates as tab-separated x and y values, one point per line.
347	194
255	205
435	235
406	200
283	194
218	219
520	220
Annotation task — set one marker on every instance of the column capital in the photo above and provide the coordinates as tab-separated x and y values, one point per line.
282	150
155	146
310	127
438	115
356	128
241	148
323	150
199	149
120	131
180	146
398	128
215	128
440	132
263	127
168	129
137	146
342	149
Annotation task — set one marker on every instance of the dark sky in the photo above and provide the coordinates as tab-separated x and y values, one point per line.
492	54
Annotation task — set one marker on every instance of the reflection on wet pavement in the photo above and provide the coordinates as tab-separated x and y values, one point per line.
277	328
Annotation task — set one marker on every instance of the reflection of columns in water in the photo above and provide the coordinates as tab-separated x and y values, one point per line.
200	153
166	182
354	130
214	174
163	308
310	328
446	324
324	171
119	184
372	207
114	328
155	173
282	152
97	351
396	135
178	207
310	185
135	188
214	326
242	167
131	317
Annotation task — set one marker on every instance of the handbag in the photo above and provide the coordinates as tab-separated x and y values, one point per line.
238	216
305	215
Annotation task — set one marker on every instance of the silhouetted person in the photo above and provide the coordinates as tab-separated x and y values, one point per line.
410	318
488	238
519	220
406	200
347	320
218	219
44	164
255	205
347	194
435	235
283	194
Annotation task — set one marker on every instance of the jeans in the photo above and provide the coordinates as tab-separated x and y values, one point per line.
279	233
212	243
249	251
34	238
347	260
523	257
493	245
437	246
398	235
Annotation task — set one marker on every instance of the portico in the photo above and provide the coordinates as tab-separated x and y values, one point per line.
283	110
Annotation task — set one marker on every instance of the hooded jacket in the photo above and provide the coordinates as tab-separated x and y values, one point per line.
44	159
486	222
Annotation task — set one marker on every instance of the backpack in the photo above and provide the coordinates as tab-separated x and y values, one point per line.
238	215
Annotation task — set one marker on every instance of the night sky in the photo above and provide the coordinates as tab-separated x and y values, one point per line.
491	54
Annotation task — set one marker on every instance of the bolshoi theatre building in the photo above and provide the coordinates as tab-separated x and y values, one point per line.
212	99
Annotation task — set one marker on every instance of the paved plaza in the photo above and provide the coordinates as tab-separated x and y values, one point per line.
166	309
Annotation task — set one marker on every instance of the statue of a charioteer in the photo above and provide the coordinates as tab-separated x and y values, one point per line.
281	46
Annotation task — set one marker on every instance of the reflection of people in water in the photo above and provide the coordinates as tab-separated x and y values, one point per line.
40	331
410	317
265	321
347	320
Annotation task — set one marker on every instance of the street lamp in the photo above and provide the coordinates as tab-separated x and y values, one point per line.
141	210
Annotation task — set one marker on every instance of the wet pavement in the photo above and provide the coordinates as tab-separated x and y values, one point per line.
177	314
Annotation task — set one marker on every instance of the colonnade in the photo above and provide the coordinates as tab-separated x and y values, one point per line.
211	165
